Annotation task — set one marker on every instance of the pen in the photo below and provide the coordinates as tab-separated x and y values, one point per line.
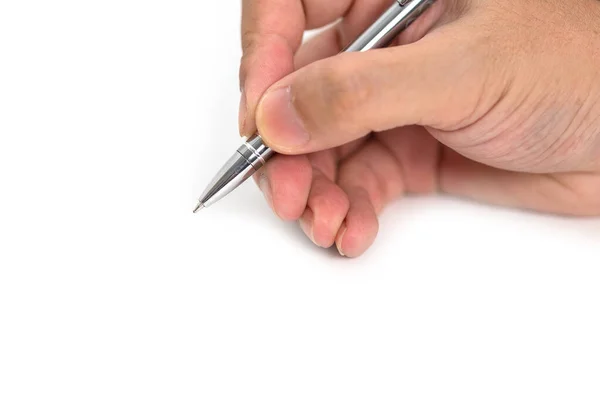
253	154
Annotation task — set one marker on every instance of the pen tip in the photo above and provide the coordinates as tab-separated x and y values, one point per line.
199	207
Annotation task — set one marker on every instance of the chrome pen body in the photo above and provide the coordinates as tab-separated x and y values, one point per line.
253	154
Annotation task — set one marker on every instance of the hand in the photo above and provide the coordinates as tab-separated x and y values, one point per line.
496	101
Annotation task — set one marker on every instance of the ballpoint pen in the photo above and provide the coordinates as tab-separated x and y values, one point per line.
253	154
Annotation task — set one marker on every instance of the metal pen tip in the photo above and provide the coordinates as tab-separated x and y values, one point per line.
199	207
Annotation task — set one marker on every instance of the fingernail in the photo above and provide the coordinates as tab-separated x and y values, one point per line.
340	240
265	188
307	225
279	122
243	112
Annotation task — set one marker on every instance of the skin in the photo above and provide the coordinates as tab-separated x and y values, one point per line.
495	101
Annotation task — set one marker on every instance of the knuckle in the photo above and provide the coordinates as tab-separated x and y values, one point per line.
249	43
243	72
249	40
264	53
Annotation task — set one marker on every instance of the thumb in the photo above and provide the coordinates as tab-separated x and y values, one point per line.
433	82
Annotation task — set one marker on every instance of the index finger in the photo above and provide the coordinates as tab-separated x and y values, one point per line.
272	32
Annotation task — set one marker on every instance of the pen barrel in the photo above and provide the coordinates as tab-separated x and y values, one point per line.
383	31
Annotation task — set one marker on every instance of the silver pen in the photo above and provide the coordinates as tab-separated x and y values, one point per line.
253	154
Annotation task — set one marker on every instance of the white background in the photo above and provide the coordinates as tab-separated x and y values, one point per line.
114	115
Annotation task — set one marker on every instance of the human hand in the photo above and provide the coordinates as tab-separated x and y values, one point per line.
496	101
